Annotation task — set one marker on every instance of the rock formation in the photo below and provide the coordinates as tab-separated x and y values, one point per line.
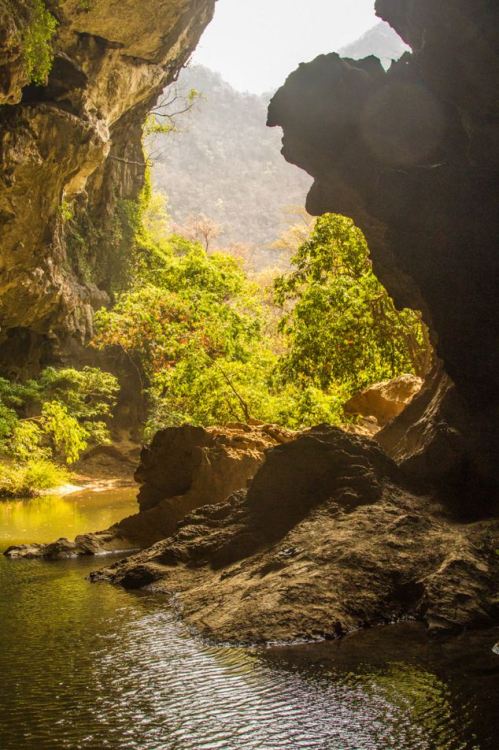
187	467
329	537
412	155
386	400
183	469
70	153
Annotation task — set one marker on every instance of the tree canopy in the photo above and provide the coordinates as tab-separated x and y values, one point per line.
216	349
340	324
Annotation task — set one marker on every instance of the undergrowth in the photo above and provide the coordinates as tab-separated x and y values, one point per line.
31	478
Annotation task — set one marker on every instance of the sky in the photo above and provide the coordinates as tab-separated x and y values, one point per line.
255	44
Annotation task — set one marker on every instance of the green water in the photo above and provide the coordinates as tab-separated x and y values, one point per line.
92	666
46	518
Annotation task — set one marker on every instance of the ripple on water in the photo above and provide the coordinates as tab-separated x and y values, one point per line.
94	667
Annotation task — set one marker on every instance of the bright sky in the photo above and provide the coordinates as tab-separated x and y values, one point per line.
255	44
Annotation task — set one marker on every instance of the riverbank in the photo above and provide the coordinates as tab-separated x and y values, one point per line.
331	536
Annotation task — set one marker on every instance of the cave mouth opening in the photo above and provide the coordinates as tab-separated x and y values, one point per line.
260	337
217	169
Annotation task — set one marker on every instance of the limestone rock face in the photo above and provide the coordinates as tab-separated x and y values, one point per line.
386	400
74	146
12	69
412	154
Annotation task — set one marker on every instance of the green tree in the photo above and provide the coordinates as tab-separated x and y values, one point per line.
193	322
56	415
341	326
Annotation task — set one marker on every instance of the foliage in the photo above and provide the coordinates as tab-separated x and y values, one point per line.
29	478
194	322
56	415
66	436
215	348
37	42
341	326
99	254
66	210
174	102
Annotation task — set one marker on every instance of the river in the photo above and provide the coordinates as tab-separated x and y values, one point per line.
92	666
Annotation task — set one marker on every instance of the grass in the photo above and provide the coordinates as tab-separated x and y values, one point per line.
31	478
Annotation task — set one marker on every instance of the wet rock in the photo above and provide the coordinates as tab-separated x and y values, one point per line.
100	543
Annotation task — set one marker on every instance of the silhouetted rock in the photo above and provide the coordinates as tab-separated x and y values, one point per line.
412	155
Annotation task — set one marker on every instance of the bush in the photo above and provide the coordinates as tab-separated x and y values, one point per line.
57	415
37	43
30	478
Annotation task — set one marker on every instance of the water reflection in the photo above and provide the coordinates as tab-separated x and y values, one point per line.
92	666
49	517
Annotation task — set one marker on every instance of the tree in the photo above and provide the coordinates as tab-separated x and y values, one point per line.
298	231
57	415
194	323
200	228
341	326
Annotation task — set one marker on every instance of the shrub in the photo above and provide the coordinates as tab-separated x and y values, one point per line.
30	478
57	415
37	43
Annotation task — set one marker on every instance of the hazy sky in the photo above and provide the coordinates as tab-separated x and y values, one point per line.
255	44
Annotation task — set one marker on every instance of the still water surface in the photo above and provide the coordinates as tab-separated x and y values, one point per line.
91	666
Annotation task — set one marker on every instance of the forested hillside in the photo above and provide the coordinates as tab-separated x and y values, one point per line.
223	162
226	164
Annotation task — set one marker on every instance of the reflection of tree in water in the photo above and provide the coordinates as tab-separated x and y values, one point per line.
49	517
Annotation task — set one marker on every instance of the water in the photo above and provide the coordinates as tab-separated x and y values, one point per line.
47	518
92	666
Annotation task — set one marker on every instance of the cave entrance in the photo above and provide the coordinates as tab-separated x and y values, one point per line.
220	180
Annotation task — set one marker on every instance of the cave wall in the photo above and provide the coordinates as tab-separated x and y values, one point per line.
412	154
70	152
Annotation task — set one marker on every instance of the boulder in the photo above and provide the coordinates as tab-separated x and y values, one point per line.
386	400
187	467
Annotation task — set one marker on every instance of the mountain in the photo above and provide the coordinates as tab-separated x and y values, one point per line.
225	163
381	41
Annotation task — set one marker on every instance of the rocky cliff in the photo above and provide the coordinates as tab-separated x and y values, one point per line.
412	154
70	154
